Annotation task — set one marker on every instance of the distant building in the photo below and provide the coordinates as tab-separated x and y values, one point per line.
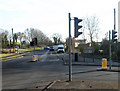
78	42
88	50
119	21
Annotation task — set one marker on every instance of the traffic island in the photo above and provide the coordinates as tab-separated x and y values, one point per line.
84	86
107	69
82	64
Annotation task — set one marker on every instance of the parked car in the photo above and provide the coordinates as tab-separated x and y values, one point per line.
46	48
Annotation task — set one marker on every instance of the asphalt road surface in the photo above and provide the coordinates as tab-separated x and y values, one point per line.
22	73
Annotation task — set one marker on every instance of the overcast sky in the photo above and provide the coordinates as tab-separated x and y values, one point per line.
51	16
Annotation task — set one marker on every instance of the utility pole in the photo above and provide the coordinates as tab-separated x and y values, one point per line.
110	49
116	48
114	19
33	41
13	40
70	64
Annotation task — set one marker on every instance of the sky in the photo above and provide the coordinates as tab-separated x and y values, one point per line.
51	16
119	22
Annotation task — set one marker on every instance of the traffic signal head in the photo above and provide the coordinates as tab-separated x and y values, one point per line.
32	40
35	41
77	27
114	35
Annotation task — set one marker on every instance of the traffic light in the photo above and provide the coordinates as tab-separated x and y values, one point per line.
35	39
33	42
77	27
114	36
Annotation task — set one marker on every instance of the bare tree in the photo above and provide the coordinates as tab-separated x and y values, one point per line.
28	34
42	39
20	36
57	38
97	37
16	36
91	25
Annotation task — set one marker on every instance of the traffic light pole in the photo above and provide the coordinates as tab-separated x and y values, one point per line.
110	50
70	64
34	48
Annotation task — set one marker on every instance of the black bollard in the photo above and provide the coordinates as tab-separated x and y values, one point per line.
76	57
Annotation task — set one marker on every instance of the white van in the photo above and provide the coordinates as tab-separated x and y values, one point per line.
60	49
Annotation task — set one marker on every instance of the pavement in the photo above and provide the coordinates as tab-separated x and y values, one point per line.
62	85
87	61
83	85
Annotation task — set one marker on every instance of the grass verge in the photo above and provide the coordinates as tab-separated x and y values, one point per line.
7	55
10	57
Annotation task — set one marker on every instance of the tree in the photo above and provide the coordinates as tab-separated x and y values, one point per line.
91	25
105	46
42	39
57	38
28	33
4	39
16	36
20	36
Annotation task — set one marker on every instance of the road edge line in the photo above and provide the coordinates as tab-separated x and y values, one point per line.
49	85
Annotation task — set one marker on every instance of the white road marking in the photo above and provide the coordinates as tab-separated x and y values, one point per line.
53	60
43	57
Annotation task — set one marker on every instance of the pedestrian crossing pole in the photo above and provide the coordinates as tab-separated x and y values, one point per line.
110	61
70	64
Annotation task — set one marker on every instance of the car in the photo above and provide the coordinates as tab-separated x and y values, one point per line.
46	48
51	48
60	49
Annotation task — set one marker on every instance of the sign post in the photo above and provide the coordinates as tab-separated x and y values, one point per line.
33	40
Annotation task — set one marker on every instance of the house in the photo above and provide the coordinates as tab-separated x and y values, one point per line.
82	42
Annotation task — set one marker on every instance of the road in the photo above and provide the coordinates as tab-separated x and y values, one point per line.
22	73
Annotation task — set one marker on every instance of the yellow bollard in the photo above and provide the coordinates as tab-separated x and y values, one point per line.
104	63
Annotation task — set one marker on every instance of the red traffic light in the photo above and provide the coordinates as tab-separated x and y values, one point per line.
33	40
